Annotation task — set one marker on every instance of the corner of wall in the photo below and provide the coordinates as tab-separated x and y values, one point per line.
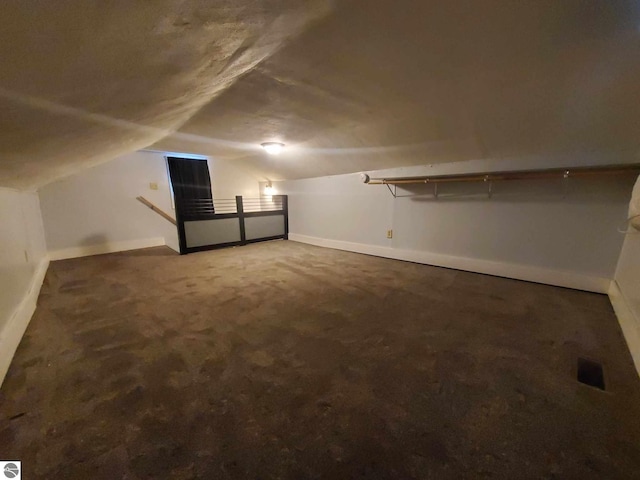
14	329
624	292
629	323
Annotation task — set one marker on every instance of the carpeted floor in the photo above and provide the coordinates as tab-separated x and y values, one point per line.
283	360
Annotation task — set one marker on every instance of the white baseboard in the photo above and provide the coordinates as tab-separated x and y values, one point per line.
14	329
112	247
529	273
629	322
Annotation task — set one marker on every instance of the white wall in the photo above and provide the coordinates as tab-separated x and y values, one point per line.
625	291
227	180
557	232
339	208
96	211
23	264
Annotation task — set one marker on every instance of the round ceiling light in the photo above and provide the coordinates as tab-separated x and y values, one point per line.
273	148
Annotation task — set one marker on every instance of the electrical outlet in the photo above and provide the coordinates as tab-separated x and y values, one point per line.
153	186
389	233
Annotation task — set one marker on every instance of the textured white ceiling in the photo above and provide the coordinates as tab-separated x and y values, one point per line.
348	85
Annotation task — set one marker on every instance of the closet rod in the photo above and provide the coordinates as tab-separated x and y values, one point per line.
568	172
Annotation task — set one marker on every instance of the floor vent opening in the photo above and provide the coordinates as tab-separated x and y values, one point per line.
590	373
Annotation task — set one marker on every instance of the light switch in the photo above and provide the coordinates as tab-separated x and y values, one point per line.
153	186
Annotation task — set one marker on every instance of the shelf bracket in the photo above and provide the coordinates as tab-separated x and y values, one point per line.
393	192
487	178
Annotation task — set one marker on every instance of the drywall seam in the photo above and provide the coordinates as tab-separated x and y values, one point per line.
111	247
528	273
14	329
629	323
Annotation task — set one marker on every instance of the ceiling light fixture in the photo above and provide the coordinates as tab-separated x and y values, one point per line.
273	148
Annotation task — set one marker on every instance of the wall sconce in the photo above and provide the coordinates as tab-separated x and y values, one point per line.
268	189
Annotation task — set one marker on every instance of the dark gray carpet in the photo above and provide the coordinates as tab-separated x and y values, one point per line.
283	360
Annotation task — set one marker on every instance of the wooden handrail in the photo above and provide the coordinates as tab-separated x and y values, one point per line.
568	172
159	211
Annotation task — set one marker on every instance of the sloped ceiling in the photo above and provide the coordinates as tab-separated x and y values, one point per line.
348	85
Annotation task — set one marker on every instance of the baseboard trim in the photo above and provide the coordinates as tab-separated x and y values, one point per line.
528	273
629	322
14	329
111	247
